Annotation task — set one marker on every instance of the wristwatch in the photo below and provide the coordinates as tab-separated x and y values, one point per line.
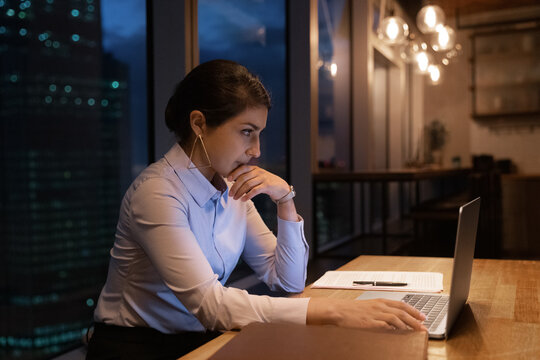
287	197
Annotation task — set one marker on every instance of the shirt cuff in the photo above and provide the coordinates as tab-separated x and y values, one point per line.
290	231
287	310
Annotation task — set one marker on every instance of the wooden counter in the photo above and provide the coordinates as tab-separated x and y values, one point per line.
501	320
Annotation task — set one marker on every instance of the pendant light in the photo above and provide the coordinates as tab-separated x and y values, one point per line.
435	73
444	38
393	30
423	60
429	17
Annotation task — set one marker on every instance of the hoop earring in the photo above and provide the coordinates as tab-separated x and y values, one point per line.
198	138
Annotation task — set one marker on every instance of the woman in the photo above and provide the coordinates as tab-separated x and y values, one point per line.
188	218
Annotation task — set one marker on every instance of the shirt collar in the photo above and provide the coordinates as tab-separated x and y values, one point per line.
198	186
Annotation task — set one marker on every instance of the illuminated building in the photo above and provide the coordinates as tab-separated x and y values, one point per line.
64	128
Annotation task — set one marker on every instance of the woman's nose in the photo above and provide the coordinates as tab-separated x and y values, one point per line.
254	150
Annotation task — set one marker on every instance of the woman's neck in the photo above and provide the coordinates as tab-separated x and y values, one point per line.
200	161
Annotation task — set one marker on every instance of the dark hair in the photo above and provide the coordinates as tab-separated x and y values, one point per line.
220	89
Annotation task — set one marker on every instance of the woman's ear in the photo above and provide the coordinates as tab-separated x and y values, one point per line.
197	122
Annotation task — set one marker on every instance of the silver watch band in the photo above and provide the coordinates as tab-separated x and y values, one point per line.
287	197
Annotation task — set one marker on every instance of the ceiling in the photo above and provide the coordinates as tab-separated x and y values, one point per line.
465	7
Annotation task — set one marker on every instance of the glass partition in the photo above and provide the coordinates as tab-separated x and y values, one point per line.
73	135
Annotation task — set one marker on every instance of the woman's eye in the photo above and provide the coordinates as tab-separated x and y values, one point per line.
247	132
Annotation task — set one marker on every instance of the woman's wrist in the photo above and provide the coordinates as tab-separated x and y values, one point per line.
323	312
285	205
287	211
289	195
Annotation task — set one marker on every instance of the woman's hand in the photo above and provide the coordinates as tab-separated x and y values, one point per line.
251	180
374	314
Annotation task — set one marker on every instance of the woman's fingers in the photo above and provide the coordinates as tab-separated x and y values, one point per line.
243	183
393	320
412	322
394	315
409	309
240	175
246	187
371	314
252	193
402	320
404	315
379	324
242	169
247	177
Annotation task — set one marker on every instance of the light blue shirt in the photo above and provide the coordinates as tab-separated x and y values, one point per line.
177	241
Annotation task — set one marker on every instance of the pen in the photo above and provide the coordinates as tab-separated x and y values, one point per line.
379	283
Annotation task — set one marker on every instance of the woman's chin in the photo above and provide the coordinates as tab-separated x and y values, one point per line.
228	172
235	166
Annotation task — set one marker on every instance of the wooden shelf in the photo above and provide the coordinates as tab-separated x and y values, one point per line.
497	60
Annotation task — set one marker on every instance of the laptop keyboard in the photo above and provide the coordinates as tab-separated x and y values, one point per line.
433	306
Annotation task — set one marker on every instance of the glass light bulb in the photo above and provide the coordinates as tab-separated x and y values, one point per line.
333	69
434	73
429	17
393	30
444	39
423	61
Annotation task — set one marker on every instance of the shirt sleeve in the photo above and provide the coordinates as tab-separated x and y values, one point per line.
279	262
159	220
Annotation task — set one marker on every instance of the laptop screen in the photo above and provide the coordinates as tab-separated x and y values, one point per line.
463	259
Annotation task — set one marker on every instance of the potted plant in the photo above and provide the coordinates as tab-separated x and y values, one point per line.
435	137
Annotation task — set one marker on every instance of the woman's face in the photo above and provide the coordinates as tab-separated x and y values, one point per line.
236	141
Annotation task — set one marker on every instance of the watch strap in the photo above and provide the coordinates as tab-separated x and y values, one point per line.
287	197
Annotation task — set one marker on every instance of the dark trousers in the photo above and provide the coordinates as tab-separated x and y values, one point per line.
118	342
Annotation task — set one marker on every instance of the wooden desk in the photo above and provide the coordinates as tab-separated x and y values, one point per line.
383	176
501	320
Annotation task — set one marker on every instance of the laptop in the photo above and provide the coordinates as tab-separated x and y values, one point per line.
442	310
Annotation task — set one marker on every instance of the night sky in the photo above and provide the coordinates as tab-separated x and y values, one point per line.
251	32
124	35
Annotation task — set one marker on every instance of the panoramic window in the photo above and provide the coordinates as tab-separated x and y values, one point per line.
334	84
73	136
252	33
333	201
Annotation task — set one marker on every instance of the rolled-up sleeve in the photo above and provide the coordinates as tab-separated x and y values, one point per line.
279	262
161	227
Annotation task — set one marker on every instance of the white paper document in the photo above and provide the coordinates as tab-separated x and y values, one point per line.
416	281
